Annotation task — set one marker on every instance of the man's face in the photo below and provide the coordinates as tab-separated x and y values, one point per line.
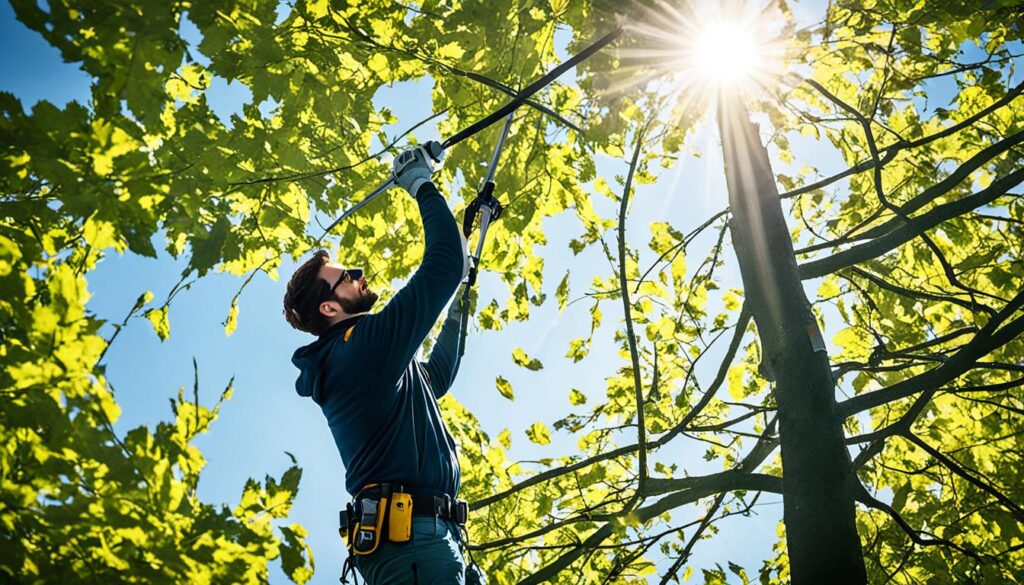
353	296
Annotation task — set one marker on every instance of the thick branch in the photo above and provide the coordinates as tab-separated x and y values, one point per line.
741	327
920	294
627	309
694	488
944	186
914	535
910	230
548	572
707	486
876	160
986	341
890	152
722	482
958	469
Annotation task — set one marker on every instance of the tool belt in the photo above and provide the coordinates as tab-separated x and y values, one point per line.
385	510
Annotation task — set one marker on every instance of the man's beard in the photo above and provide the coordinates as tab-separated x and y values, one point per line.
360	305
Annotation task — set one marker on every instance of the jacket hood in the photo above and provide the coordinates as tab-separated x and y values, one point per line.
311	359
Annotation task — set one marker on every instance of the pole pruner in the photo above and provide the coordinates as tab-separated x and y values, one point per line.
486	205
503	112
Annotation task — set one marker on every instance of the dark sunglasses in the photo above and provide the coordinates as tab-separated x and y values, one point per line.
347	275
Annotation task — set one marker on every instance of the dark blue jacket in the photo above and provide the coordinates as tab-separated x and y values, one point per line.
381	403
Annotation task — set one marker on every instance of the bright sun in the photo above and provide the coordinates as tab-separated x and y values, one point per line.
698	49
725	52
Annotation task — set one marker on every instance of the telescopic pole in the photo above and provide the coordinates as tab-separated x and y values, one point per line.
486	203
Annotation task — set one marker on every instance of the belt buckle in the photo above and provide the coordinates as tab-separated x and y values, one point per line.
441	507
460	512
346	521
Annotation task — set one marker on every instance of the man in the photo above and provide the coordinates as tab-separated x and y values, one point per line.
380	402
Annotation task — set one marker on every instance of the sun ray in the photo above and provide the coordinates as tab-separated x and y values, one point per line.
699	49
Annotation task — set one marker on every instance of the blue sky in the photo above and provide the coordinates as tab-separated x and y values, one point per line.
266	418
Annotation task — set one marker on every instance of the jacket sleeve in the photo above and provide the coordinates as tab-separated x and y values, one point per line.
443	365
394	334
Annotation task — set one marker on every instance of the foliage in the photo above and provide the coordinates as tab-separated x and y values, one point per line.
79	502
918	248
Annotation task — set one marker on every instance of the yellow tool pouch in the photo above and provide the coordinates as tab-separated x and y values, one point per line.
377	512
400	517
366	518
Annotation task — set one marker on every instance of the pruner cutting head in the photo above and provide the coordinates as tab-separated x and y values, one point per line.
484	199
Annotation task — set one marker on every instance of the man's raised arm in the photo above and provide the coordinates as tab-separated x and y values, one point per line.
399	329
444	360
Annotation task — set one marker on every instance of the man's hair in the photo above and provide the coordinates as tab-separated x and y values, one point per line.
302	299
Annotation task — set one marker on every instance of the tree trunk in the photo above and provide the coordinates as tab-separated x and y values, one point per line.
819	513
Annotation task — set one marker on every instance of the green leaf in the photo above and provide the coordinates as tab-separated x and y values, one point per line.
296	555
538	433
505	438
504	388
731	299
378	63
451	51
207	246
231	322
161	324
578	349
739	572
562	292
521	359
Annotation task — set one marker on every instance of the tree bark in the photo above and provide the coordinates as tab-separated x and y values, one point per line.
818	508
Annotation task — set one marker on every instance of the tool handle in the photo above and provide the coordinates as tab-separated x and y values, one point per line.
376	193
498	148
485	222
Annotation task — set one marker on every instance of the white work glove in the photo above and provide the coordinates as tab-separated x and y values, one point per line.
414	167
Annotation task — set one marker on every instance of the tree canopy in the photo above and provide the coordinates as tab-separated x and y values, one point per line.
911	253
